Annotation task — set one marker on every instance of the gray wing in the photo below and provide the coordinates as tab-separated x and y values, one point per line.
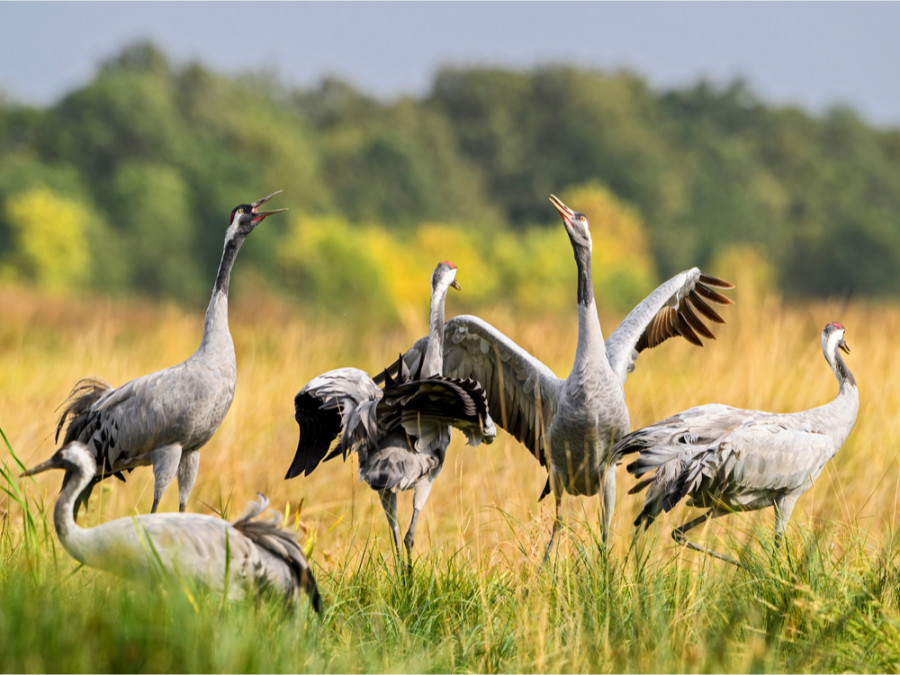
522	392
723	456
329	404
667	312
425	407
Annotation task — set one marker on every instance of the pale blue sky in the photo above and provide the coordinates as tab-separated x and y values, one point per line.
808	53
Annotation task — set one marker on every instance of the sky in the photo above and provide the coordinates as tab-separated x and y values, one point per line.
810	54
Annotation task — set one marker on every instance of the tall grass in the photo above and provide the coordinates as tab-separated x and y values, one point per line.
473	600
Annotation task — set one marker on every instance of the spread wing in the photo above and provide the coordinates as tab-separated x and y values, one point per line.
328	404
677	307
522	392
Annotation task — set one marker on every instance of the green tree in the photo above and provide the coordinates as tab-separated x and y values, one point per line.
49	246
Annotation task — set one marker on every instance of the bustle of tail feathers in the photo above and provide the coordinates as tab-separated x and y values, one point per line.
269	535
77	408
677	473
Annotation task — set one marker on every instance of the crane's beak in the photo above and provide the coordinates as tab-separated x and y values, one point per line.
262	215
564	211
456	285
844	347
43	466
262	201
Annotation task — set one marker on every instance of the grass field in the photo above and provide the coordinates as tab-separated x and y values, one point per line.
474	601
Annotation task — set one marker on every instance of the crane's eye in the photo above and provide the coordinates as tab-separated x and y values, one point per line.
582	218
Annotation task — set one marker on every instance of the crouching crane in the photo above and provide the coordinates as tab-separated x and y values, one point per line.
246	556
726	459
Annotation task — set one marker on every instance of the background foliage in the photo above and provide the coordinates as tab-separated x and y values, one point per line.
131	178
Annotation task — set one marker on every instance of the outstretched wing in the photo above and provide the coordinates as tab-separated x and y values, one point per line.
522	392
324	407
417	405
670	310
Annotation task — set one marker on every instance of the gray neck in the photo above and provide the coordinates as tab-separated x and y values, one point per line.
433	363
585	284
70	534
839	415
215	325
591	348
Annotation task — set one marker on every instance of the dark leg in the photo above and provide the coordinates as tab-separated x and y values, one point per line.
557	489
389	504
678	534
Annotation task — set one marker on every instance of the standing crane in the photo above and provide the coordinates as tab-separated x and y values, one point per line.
726	459
164	418
246	556
401	432
570	425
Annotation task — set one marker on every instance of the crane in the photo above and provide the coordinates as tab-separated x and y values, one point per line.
727	459
249	555
400	432
164	418
571	424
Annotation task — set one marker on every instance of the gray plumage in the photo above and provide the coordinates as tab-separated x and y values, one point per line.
400	433
247	556
571	424
727	459
164	418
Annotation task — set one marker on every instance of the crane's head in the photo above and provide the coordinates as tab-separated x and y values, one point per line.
576	223
833	339
444	276
245	217
73	457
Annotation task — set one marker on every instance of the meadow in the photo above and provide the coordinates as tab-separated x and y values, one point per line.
473	600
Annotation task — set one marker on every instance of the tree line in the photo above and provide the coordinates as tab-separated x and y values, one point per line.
123	185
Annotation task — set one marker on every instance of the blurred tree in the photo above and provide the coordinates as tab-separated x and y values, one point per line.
49	247
151	216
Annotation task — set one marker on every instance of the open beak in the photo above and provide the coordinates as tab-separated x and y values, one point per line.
261	215
844	347
40	468
456	285
564	211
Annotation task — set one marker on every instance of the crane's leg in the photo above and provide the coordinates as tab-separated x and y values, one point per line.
678	534
389	504
784	507
187	476
165	461
420	496
556	487
608	501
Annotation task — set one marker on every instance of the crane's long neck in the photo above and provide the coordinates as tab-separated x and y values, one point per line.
433	363
591	350
215	326
73	537
839	415
848	391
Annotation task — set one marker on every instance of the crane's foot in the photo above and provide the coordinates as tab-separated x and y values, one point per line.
678	534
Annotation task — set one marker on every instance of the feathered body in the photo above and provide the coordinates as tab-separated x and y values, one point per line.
249	555
728	459
164	418
400	432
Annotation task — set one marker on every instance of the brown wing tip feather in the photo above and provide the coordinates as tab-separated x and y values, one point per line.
710	280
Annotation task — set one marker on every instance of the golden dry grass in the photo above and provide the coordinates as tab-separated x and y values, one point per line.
767	357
